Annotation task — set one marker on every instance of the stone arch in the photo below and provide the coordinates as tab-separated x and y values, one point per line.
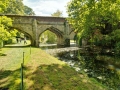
24	32
56	31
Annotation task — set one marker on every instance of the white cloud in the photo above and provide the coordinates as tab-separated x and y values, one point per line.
47	7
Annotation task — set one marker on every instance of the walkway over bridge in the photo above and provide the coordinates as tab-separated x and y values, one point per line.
34	26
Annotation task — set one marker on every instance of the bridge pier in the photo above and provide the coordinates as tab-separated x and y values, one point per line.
35	43
66	36
67	43
35	33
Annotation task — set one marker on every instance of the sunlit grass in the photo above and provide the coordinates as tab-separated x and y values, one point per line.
41	72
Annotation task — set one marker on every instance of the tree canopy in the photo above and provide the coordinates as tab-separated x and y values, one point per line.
3	5
28	11
15	7
86	16
5	30
58	13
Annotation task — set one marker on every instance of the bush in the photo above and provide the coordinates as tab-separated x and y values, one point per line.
117	48
9	41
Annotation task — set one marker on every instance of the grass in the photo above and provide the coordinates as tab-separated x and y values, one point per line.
41	72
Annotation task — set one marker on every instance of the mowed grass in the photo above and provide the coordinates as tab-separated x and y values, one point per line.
41	72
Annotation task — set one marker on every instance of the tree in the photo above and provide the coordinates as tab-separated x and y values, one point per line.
3	5
98	21
5	31
87	16
58	13
28	11
51	37
15	7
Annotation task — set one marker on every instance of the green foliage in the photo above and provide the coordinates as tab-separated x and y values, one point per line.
117	49
4	35
88	15
48	37
15	7
3	5
9	41
28	11
115	35
51	37
98	22
5	32
5	24
58	13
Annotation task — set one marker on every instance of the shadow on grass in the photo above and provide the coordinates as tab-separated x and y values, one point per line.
2	54
46	77
57	77
10	80
3	78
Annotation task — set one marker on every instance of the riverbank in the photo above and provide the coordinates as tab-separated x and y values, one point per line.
41	72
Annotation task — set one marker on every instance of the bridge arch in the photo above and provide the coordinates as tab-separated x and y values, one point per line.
57	32
21	30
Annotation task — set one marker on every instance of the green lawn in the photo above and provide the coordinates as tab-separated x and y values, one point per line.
41	72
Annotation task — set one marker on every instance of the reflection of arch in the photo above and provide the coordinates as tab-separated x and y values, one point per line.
56	31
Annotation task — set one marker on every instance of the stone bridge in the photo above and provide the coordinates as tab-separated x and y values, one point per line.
34	26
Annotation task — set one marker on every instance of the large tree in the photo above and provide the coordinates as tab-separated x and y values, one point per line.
28	11
5	29
58	13
3	5
15	7
97	21
87	16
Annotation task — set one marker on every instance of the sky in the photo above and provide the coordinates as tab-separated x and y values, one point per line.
47	7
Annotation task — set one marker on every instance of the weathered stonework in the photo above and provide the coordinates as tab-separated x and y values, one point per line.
34	26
